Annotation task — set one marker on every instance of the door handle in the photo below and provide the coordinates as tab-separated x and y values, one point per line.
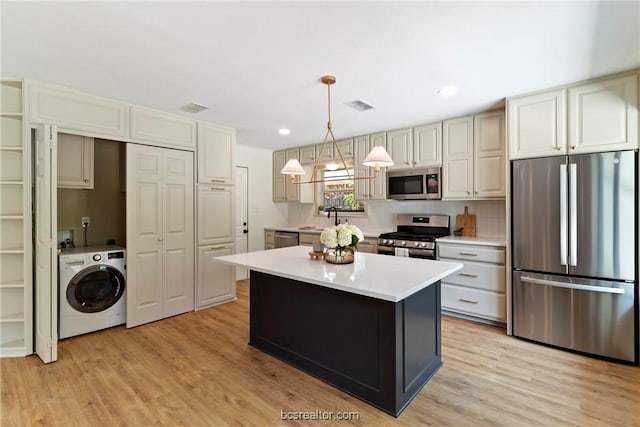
573	214
580	287
563	214
467	275
245	231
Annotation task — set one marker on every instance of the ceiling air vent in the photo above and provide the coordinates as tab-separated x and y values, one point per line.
194	108
360	105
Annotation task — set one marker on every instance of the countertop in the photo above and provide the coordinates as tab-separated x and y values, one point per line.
389	278
302	229
482	241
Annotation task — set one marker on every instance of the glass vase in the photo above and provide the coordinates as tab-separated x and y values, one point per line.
339	255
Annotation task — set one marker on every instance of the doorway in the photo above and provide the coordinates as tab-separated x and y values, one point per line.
242	218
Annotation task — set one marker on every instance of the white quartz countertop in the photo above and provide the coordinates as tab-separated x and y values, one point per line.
482	241
318	230
385	277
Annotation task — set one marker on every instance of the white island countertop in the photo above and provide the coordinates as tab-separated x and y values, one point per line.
385	277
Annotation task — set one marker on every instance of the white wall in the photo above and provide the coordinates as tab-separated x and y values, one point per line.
261	210
490	215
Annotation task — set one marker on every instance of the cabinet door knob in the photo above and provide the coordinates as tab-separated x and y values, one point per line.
469	192
86	180
559	148
475	192
159	239
573	147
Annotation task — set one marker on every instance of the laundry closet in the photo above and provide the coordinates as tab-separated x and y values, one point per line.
121	200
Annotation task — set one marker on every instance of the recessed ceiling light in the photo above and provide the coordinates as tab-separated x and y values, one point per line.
448	91
284	131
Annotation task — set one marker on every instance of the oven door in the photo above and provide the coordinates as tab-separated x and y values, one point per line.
407	252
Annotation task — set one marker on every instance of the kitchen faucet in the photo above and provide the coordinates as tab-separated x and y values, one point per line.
329	214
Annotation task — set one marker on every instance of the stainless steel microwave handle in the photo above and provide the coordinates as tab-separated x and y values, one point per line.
563	214
577	286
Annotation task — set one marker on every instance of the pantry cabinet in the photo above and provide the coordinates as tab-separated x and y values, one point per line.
593	116
75	161
479	289
369	189
16	294
216	282
216	146
215	214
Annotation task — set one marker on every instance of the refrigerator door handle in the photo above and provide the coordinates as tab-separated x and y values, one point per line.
563	214
577	286
573	214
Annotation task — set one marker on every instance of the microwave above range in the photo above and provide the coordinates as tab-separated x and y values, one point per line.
415	184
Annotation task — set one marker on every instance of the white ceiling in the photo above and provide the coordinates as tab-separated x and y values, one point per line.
257	65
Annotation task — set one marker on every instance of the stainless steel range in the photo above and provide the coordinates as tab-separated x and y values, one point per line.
416	236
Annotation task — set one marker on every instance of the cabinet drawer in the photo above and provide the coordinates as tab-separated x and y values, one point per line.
471	253
269	236
369	246
308	238
478	275
474	302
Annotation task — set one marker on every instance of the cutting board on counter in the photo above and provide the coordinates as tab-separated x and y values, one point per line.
467	222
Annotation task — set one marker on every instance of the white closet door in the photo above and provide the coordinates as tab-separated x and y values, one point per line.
46	272
178	234
144	234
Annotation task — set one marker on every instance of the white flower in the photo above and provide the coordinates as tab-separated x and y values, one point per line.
341	235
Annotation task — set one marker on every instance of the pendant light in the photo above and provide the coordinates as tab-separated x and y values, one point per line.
377	158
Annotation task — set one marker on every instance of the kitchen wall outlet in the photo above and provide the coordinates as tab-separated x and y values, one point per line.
86	221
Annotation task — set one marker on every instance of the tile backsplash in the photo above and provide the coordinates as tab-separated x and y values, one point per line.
490	215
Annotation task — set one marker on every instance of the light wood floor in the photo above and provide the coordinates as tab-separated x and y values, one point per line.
196	369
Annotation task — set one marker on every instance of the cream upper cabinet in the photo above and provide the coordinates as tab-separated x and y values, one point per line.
75	161
215	214
400	147
216	146
308	155
603	115
488	155
537	124
346	148
427	145
458	158
162	129
600	115
325	154
283	189
368	189
329	152
73	110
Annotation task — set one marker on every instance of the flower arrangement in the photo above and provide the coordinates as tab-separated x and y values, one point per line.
341	236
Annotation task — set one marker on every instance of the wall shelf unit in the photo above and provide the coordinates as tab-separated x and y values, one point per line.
16	336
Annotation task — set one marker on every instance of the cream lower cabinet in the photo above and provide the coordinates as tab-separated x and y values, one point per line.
216	282
75	161
269	239
215	214
478	290
368	245
160	233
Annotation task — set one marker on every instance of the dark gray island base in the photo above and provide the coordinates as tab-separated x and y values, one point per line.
379	351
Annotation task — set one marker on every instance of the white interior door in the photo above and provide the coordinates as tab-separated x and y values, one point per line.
144	234
242	218
177	236
46	271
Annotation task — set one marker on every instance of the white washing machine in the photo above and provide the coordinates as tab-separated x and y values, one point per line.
92	289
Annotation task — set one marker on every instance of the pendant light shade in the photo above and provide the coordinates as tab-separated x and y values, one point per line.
378	157
293	167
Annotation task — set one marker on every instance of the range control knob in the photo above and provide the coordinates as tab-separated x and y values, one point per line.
416	244
389	242
403	243
423	244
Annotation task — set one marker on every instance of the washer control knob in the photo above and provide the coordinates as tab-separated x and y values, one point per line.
97	257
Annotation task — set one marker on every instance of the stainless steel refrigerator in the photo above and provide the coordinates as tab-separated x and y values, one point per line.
575	272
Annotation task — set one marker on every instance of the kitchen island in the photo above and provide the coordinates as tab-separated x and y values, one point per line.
370	328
